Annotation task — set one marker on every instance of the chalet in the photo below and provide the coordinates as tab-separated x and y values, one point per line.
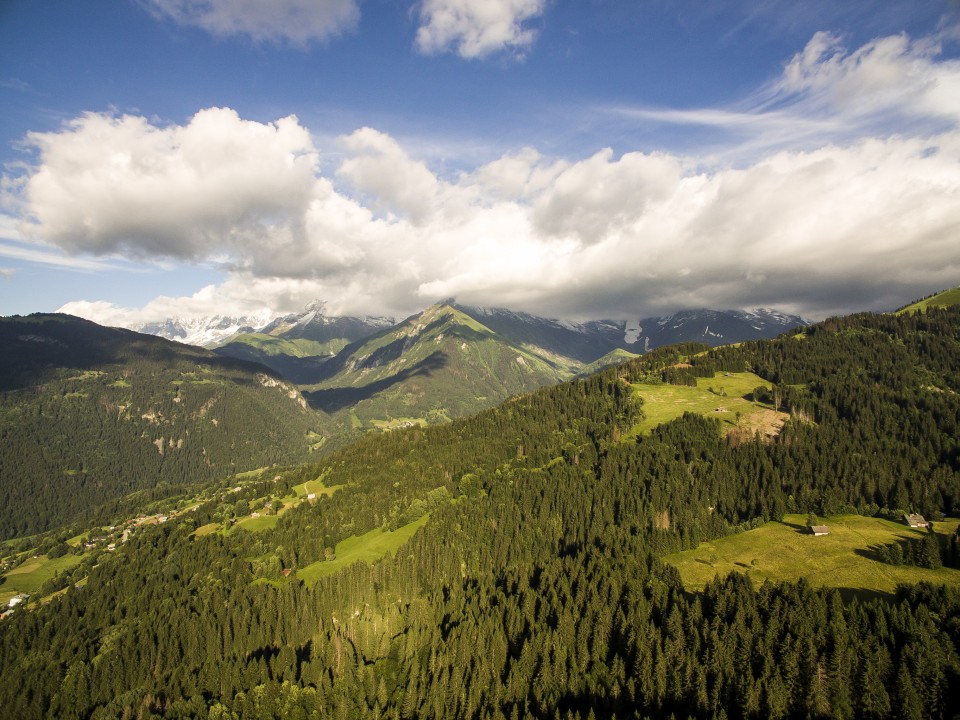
819	530
915	521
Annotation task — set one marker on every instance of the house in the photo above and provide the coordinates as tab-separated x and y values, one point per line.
17	599
819	530
915	521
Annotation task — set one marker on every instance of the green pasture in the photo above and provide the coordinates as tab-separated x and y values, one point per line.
722	397
944	299
31	575
367	548
315	486
786	551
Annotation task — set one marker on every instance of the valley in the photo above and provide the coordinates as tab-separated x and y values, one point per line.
620	529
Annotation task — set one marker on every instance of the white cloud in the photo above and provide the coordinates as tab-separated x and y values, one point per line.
476	28
887	74
107	184
830	228
829	93
295	21
378	168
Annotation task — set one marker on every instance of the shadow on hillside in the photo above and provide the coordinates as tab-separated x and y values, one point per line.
329	401
802	529
862	594
37	347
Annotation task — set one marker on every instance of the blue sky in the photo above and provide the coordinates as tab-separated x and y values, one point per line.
577	159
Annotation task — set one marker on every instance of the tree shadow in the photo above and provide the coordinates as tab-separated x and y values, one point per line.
334	399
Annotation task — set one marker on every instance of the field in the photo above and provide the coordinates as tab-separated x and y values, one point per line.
31	575
367	548
944	299
722	396
785	551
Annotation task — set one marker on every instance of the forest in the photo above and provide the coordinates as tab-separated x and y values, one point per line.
89	415
537	586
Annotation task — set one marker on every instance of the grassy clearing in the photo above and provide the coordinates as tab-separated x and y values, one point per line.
316	487
395	423
207	529
31	575
944	299
784	551
722	396
256	524
367	548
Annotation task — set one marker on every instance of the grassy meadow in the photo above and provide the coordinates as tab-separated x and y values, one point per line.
31	575
367	548
723	396
944	299
785	551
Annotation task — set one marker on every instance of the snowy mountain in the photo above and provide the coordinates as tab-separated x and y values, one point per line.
590	340
313	324
205	331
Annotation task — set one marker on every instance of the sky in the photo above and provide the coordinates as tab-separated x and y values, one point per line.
577	159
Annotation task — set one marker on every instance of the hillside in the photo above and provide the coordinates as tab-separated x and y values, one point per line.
89	414
435	366
297	345
947	298
533	582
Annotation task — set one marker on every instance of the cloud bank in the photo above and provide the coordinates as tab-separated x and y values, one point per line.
816	228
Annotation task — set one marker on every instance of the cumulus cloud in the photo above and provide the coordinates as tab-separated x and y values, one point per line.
476	29
862	223
378	168
294	21
108	184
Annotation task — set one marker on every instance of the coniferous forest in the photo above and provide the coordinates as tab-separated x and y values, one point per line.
537	587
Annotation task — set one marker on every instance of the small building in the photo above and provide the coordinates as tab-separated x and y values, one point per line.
915	521
819	530
17	599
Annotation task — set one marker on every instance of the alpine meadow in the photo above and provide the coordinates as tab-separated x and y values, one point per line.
479	360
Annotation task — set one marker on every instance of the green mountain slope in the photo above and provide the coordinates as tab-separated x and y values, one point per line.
88	414
947	298
435	366
298	345
532	582
298	360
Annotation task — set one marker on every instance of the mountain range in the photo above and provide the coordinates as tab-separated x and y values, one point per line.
535	559
452	360
584	341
